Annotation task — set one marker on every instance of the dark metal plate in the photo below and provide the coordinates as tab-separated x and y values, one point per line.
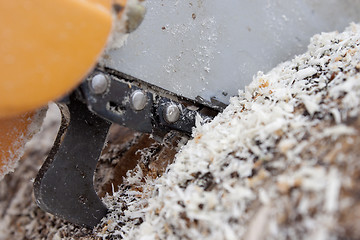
64	184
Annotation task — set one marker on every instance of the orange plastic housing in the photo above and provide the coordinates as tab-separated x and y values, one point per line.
14	133
47	47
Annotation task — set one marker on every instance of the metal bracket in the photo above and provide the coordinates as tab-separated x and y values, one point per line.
64	184
116	104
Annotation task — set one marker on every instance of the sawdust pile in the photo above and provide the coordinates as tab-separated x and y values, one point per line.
281	162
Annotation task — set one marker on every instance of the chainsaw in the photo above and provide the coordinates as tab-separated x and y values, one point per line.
178	68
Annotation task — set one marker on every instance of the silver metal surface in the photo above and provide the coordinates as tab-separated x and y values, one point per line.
138	100
171	113
99	84
213	48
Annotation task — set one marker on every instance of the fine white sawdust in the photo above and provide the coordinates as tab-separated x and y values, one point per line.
232	180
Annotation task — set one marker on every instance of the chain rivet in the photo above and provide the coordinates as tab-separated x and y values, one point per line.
99	84
171	113
138	100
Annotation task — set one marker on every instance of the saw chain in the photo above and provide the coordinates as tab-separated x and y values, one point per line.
64	184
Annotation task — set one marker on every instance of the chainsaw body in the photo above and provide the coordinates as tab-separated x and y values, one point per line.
179	67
